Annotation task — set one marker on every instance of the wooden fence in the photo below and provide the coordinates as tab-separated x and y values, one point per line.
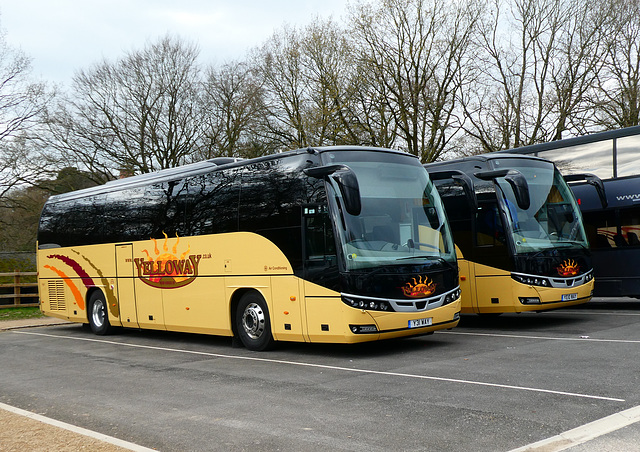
18	295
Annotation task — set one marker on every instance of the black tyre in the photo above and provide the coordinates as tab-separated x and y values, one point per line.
252	322
490	315
98	314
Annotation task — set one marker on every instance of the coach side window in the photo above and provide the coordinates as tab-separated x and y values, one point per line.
613	228
164	208
270	202
212	205
54	221
123	216
490	229
73	222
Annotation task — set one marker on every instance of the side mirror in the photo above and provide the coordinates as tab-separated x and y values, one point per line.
350	190
347	183
461	179
517	181
591	179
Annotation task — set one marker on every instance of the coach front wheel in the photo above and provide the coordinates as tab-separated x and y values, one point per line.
252	322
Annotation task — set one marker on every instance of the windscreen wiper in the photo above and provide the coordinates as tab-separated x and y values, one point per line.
431	258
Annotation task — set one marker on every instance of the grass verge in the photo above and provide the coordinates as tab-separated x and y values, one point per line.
20	313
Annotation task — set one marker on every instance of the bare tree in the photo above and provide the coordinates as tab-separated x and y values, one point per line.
535	88
317	93
139	114
581	55
279	66
351	107
328	66
22	102
369	109
616	98
415	50
310	84
21	99
14	168
508	103
234	109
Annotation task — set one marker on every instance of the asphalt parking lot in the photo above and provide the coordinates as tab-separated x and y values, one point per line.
567	377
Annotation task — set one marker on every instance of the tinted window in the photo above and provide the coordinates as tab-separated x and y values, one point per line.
165	208
490	230
613	228
272	194
459	212
271	197
212	205
321	261
73	222
148	212
123	216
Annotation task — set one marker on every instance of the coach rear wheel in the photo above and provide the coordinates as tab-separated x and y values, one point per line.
252	322
98	315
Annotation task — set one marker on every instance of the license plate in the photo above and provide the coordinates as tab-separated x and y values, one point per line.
419	323
570	297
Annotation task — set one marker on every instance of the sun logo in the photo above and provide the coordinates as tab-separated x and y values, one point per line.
568	268
166	270
420	288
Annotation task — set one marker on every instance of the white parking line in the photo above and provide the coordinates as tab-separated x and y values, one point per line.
323	366
580	312
75	429
548	338
584	433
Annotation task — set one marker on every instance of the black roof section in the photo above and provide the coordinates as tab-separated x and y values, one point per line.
202	167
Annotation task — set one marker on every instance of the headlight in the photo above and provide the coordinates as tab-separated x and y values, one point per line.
367	304
532	280
452	296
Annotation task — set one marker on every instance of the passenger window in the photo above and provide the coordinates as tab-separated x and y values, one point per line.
320	243
489	226
613	229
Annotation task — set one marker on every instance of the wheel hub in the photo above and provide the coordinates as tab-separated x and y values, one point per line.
98	313
253	321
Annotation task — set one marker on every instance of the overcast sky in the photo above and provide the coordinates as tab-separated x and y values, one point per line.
62	36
